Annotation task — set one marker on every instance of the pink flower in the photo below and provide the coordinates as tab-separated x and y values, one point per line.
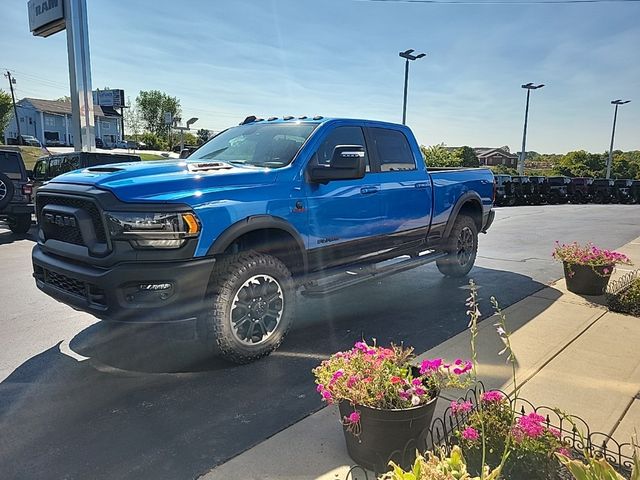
404	395
362	346
430	365
352	381
320	388
492	396
555	432
354	417
326	394
461	407
463	367
564	451
336	376
397	380
416	382
531	425
420	391
470	434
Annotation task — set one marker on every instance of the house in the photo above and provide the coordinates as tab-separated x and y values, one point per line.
50	122
496	156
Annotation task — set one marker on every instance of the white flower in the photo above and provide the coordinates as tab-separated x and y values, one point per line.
415	400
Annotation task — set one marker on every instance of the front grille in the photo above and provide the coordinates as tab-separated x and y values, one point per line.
71	233
78	288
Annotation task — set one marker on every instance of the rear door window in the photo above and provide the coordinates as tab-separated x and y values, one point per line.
392	150
10	165
69	163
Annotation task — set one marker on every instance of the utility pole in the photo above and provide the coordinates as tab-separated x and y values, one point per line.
617	103
12	81
407	55
523	152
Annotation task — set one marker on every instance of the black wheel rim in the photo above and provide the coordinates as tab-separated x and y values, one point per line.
256	310
465	246
3	190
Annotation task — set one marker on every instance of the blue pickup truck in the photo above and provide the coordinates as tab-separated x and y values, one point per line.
263	210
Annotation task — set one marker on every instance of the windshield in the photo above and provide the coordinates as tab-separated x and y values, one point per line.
265	145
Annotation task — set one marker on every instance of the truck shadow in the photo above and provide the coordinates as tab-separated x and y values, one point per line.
7	236
147	404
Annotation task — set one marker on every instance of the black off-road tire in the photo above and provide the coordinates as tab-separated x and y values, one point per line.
6	190
20	224
462	254
216	327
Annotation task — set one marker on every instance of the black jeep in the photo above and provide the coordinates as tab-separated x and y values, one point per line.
504	190
558	191
522	189
580	189
602	190
15	192
622	189
539	190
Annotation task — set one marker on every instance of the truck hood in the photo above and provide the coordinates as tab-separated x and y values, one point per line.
174	180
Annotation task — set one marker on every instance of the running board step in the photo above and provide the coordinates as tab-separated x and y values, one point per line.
351	278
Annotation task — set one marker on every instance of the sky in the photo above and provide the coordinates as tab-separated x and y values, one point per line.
225	60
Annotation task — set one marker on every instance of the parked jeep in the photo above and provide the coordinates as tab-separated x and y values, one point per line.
504	190
522	189
558	190
49	167
622	190
602	191
580	189
15	192
539	190
635	191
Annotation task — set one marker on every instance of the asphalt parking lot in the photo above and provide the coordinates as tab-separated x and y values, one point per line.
80	400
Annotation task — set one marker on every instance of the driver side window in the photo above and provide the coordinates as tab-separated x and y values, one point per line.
40	170
341	136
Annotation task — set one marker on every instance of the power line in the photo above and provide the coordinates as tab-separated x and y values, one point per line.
500	2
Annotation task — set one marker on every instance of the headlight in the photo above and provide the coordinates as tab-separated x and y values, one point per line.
153	230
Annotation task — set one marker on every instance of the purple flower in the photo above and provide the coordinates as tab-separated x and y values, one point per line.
492	396
416	382
326	395
430	365
470	434
463	367
320	388
354	417
352	381
461	407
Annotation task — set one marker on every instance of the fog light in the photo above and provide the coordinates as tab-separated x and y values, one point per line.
154	287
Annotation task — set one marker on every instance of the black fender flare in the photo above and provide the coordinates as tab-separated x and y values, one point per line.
467	197
255	223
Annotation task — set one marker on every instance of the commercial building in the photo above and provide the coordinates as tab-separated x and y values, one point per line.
50	122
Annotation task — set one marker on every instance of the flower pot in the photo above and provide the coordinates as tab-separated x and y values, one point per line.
388	434
586	280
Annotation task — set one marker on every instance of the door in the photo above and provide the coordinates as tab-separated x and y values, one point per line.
405	188
344	215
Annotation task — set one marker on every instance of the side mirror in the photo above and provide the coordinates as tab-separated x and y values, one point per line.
347	163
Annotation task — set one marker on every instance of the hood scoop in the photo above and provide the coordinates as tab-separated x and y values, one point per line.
208	166
105	169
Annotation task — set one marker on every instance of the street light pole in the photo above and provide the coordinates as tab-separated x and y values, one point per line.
528	87
617	103
407	55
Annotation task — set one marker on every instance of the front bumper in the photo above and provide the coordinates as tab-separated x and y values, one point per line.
131	292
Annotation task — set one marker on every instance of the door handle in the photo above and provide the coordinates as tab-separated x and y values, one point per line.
369	190
422	185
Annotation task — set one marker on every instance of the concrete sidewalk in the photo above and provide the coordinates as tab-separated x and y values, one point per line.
572	353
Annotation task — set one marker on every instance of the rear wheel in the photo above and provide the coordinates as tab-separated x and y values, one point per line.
6	190
462	247
20	224
250	306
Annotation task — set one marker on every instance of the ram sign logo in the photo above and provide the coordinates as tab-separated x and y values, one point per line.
46	17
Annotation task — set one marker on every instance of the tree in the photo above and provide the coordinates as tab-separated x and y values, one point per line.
468	157
66	98
6	107
152	105
439	156
132	121
203	135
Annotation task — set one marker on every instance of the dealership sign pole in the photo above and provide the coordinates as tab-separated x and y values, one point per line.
47	17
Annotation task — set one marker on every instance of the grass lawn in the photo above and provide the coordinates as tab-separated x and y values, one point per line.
29	154
151	156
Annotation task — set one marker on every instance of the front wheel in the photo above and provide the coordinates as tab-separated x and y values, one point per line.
250	306
462	248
